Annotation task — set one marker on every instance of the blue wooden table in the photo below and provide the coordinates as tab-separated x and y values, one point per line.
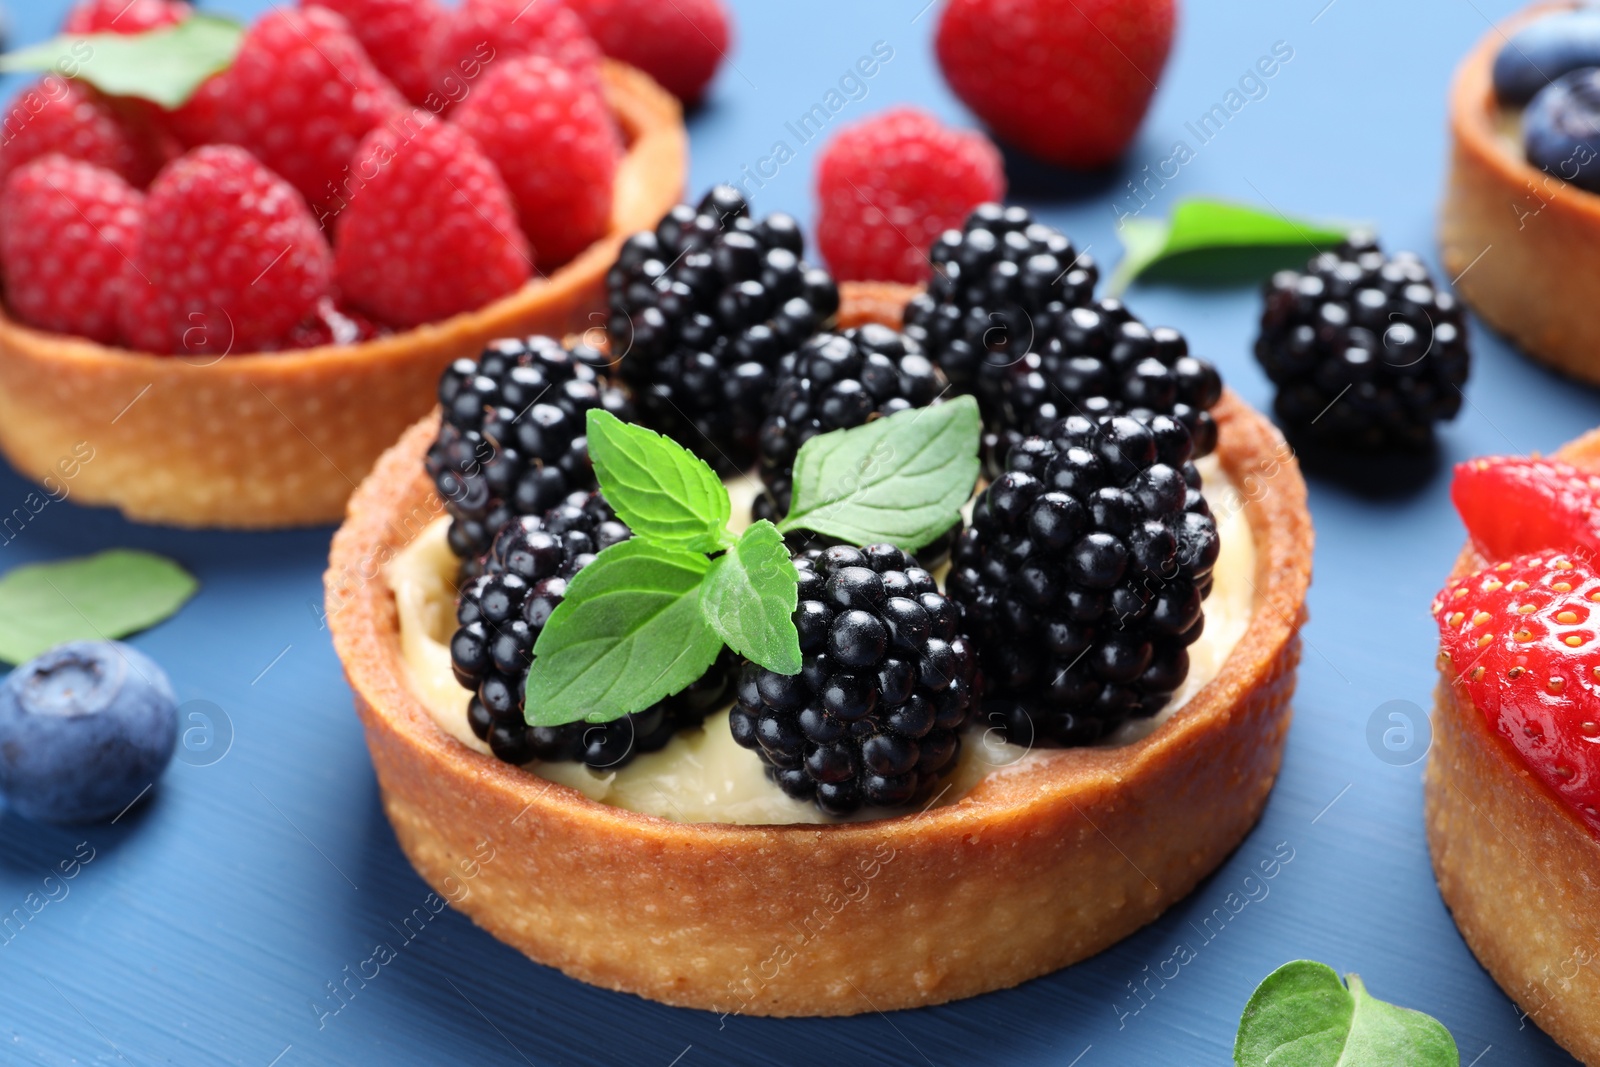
212	925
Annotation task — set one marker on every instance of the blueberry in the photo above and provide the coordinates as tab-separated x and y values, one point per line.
1543	51
1561	129
84	730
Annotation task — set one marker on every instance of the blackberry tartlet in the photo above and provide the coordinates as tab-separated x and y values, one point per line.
1366	351
511	435
703	307
1022	862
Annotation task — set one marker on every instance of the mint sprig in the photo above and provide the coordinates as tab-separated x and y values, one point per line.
164	66
650	615
1301	1015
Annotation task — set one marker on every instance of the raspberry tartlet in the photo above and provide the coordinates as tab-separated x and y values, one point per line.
1521	240
1513	782
239	421
742	872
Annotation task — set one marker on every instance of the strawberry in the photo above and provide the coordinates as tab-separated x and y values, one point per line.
397	35
1521	637
482	34
555	143
66	230
300	96
229	260
1067	81
1512	504
59	115
433	233
679	44
124	16
887	187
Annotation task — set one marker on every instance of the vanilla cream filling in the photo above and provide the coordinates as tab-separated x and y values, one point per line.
702	775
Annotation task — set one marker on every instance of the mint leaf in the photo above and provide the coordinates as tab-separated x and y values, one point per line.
901	479
664	492
1303	1016
1210	240
165	66
92	598
629	633
749	598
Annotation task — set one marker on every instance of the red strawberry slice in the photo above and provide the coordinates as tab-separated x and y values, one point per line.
1522	638
1512	504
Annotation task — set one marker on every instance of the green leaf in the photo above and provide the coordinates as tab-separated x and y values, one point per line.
165	66
901	479
749	598
629	633
1211	241
1303	1016
664	492
92	598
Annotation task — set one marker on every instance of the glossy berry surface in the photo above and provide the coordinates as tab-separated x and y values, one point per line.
1512	505
433	233
475	36
71	119
1520	637
124	16
84	730
66	230
888	680
397	36
679	44
888	186
1067	81
1544	50
999	283
229	261
1561	129
837	381
1366	351
1081	578
503	611
512	435
703	309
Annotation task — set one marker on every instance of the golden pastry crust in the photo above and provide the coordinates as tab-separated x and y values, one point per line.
1517	869
274	440
1043	864
1523	245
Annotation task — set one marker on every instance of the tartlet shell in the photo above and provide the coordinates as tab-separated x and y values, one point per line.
1517	869
1043	864
282	439
1522	245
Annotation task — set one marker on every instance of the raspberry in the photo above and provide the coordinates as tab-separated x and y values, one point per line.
300	96
554	141
1520	637
483	34
397	35
888	186
433	233
230	258
1513	505
124	16
330	323
1066	80
58	115
679	44
66	229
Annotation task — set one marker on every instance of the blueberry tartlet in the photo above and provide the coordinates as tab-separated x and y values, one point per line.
1520	225
821	803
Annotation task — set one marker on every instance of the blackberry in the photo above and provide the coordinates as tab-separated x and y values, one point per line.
998	286
703	308
1366	351
1081	578
888	681
837	381
501	614
1100	360
511	435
